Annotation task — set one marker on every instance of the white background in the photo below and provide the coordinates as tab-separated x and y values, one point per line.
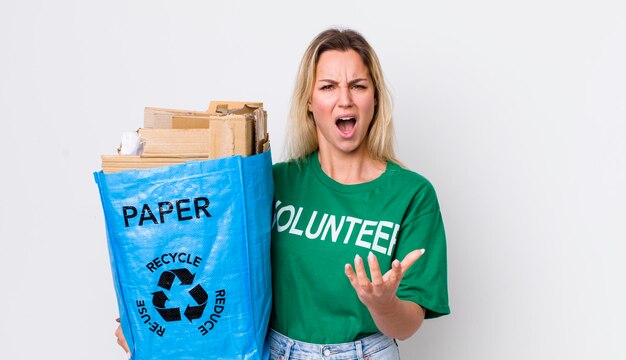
515	110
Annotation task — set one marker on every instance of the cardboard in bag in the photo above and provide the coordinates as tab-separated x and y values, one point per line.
172	136
164	118
191	142
115	163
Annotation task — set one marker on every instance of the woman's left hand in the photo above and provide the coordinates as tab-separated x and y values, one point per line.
121	340
379	295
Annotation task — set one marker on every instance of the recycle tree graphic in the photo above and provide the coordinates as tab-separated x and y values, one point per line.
159	298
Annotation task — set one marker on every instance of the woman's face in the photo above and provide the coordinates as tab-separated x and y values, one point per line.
342	102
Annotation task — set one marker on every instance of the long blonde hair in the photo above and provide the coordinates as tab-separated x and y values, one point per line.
301	134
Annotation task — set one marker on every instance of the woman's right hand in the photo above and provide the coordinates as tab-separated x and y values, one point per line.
121	340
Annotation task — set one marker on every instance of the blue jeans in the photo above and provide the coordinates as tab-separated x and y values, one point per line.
373	347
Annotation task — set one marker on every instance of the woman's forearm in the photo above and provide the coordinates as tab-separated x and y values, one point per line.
400	320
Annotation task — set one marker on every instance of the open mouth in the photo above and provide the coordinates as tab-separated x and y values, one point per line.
346	124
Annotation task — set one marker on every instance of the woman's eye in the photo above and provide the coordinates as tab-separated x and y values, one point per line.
326	87
359	87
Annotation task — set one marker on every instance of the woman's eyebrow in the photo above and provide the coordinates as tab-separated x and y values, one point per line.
357	81
336	82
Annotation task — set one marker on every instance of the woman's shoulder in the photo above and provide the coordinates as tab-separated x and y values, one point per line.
402	174
413	184
284	166
291	165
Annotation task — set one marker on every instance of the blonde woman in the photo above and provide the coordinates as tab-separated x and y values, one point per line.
350	223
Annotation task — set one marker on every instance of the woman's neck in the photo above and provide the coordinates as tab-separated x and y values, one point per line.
356	167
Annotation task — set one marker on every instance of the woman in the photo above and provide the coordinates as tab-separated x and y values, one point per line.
343	198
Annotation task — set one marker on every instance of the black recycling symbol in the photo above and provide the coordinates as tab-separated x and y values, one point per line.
159	298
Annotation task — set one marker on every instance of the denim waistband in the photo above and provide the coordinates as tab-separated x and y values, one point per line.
350	350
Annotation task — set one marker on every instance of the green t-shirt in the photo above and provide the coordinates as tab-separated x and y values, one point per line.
319	225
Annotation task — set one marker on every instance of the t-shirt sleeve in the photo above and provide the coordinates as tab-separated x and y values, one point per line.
426	282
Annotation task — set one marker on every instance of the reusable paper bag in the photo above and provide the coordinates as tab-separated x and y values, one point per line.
189	246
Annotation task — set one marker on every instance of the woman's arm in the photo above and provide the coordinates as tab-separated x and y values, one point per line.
394	317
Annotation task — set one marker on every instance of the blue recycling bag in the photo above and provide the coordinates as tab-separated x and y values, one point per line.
189	246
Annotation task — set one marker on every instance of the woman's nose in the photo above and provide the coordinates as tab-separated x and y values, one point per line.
345	97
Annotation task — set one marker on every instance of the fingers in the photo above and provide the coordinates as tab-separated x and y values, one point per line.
358	277
361	276
395	273
121	340
377	277
350	274
410	259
